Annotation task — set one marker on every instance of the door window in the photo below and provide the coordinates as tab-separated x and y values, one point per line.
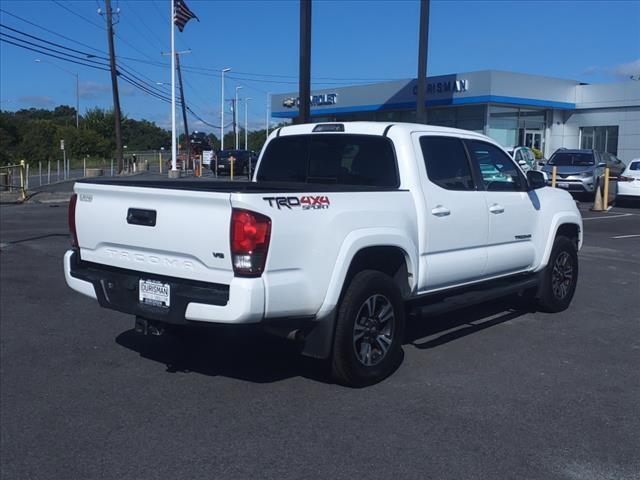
499	174
446	162
519	155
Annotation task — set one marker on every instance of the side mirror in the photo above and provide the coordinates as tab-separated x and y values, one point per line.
536	180
602	165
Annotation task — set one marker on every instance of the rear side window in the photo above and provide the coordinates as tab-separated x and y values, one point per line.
499	174
446	162
634	166
341	159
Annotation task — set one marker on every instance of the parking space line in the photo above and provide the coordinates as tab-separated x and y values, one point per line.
609	216
627	236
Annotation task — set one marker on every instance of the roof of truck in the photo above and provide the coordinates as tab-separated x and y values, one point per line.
373	128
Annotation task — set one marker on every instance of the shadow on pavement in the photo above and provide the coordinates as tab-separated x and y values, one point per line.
432	331
246	353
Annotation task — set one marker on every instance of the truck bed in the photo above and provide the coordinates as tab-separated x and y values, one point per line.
210	185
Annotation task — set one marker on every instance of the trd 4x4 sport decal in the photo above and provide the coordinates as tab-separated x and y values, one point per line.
307	202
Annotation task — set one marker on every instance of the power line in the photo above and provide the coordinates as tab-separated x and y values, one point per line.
78	15
132	10
124	73
201	70
88	55
52	32
50	54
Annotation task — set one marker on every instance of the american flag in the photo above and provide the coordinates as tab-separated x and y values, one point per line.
182	14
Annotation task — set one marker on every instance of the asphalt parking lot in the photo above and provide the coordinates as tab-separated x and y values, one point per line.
487	392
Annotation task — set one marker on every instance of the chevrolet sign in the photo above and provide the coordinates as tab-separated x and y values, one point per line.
316	100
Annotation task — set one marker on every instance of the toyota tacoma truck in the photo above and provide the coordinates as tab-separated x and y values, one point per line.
343	228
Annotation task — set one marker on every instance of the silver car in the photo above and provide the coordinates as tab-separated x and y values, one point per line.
581	170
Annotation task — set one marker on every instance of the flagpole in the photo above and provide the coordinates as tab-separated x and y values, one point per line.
173	93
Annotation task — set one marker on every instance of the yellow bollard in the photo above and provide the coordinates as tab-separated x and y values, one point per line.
160	161
554	174
231	162
605	197
22	180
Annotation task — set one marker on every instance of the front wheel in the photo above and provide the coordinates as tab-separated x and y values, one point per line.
560	277
369	331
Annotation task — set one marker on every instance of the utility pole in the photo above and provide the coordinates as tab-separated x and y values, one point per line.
184	110
423	44
233	110
246	121
114	88
268	115
77	101
222	72
236	117
304	115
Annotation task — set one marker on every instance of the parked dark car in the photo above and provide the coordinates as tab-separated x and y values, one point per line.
245	162
581	170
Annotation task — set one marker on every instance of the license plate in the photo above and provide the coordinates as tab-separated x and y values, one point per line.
153	292
563	185
221	166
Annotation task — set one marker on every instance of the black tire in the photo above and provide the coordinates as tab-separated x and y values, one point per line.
559	278
368	288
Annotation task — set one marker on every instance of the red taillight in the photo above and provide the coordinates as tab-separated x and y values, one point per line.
622	178
250	234
72	220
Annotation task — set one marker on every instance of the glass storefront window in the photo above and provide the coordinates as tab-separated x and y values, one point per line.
467	118
603	139
503	125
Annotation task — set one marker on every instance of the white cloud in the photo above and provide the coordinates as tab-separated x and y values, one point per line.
626	70
591	70
36	101
93	90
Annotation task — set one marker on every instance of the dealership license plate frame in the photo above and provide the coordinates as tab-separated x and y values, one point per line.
154	293
563	185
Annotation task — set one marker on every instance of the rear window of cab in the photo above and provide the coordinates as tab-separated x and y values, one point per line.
341	159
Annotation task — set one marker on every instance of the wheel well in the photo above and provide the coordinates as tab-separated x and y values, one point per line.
386	259
569	230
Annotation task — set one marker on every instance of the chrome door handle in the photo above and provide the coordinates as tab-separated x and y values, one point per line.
440	211
495	208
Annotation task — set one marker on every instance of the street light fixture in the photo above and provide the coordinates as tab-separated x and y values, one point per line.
235	115
246	122
223	71
38	60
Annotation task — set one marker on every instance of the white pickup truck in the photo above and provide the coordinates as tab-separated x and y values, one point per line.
344	227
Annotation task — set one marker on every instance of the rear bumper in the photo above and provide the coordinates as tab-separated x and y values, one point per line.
116	288
629	189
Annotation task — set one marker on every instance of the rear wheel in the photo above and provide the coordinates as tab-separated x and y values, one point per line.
369	330
560	277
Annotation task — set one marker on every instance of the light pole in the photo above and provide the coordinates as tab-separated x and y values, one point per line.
246	122
224	70
235	115
268	107
77	87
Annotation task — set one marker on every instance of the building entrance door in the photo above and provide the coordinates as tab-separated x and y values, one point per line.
533	139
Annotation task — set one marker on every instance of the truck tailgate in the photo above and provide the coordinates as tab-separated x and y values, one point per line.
188	239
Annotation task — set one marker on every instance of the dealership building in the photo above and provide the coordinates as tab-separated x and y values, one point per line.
513	108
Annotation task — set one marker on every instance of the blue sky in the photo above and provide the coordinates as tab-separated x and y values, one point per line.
352	42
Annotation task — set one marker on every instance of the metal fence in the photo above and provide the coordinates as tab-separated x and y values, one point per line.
15	178
23	176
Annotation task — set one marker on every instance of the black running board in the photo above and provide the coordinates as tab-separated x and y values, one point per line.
441	302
